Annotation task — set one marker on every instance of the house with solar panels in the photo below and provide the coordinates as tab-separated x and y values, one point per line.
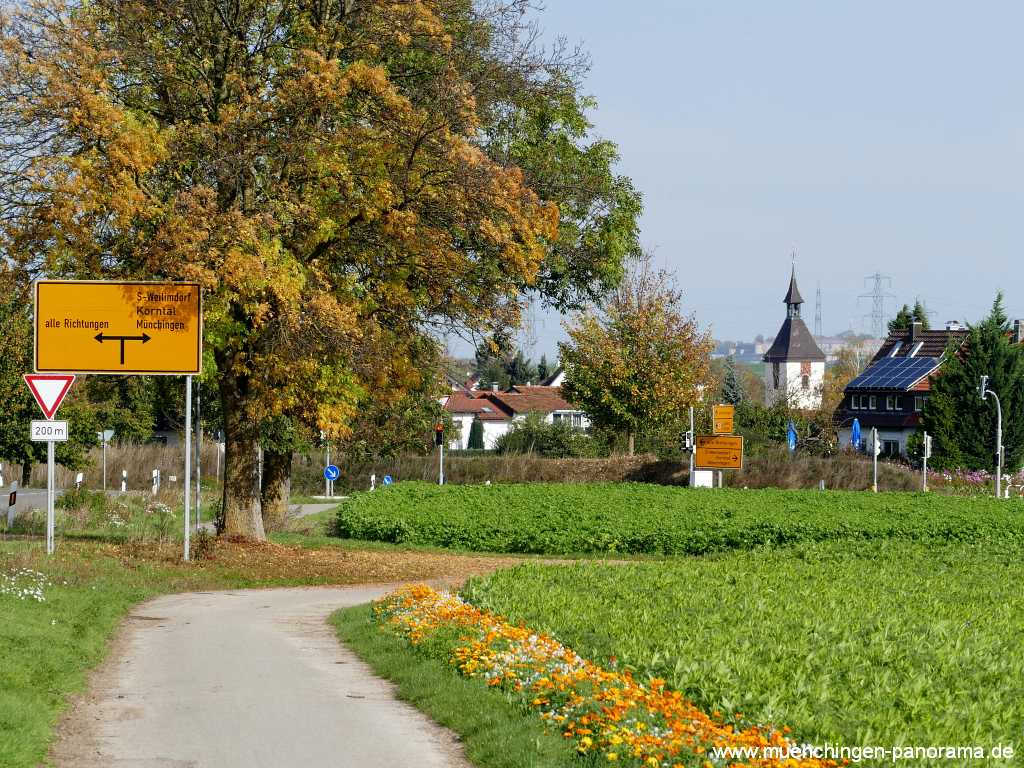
891	392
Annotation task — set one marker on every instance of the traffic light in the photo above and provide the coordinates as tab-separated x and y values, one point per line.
439	434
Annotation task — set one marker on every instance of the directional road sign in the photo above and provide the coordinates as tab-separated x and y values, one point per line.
49	391
331	473
84	326
719	452
724	419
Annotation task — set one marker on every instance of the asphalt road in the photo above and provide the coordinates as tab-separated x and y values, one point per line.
245	679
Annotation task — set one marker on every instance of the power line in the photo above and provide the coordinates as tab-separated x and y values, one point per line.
878	295
817	313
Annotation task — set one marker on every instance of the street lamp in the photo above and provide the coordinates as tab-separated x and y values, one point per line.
984	391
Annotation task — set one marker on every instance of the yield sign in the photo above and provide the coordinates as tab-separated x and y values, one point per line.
49	390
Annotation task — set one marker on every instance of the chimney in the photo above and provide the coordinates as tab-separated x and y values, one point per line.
915	331
1018	332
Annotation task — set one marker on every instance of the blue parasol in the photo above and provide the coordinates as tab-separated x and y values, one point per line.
855	435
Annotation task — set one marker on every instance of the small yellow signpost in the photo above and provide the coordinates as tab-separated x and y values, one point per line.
724	418
719	452
147	328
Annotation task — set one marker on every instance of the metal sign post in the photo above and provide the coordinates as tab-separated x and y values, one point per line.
199	455
188	464
439	442
875	450
925	455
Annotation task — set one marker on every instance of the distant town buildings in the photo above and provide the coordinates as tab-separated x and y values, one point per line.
795	365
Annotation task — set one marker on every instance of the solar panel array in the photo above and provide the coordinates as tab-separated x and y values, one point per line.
894	373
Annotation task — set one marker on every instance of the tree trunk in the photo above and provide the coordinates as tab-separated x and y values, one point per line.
629	437
277	485
243	514
26	474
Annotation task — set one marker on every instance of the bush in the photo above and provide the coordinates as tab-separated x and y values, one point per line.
551	440
637	518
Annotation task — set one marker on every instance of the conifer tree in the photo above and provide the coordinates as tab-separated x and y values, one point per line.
732	391
962	425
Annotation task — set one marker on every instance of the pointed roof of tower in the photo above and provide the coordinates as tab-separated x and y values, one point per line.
794	342
793	294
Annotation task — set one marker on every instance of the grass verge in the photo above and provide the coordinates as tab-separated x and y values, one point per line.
496	731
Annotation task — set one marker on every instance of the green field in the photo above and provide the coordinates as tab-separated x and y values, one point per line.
874	643
649	519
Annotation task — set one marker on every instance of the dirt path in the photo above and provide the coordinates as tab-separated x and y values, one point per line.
245	679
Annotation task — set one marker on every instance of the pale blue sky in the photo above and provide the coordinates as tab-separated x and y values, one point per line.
865	135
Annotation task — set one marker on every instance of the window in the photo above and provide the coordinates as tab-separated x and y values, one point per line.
896	349
919	401
916	349
775	374
805	382
890	403
873	403
891	448
854	402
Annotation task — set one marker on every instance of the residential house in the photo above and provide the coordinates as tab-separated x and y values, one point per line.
498	411
892	391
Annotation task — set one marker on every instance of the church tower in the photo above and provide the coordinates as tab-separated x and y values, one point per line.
794	365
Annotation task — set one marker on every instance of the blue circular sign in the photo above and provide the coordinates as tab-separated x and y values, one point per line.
331	472
388	480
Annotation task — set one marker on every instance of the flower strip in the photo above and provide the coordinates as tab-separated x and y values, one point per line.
603	711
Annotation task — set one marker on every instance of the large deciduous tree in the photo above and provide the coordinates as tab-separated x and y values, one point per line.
962	425
637	363
321	168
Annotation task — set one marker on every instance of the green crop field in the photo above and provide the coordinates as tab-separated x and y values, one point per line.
876	643
638	518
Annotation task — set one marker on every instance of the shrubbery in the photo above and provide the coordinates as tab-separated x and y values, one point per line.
637	518
556	440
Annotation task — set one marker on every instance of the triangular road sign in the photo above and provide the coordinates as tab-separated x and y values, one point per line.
49	390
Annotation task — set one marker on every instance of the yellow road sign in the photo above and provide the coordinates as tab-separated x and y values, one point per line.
85	326
719	452
724	417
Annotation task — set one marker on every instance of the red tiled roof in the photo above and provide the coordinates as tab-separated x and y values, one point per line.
526	399
480	406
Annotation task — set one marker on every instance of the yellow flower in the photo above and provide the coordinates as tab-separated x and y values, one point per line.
612	757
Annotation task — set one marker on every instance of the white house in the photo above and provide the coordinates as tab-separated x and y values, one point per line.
497	411
795	366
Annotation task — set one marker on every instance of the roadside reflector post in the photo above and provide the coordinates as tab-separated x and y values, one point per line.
12	504
124	481
875	450
926	453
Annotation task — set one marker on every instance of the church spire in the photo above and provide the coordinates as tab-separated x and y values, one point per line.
793	298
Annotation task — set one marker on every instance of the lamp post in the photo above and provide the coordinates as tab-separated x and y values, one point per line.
984	391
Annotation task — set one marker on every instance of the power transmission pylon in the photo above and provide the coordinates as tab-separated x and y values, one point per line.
817	313
878	295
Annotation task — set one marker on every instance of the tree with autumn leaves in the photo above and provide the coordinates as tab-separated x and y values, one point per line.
637	363
343	177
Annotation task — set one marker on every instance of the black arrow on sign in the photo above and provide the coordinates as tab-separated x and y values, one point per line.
101	338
